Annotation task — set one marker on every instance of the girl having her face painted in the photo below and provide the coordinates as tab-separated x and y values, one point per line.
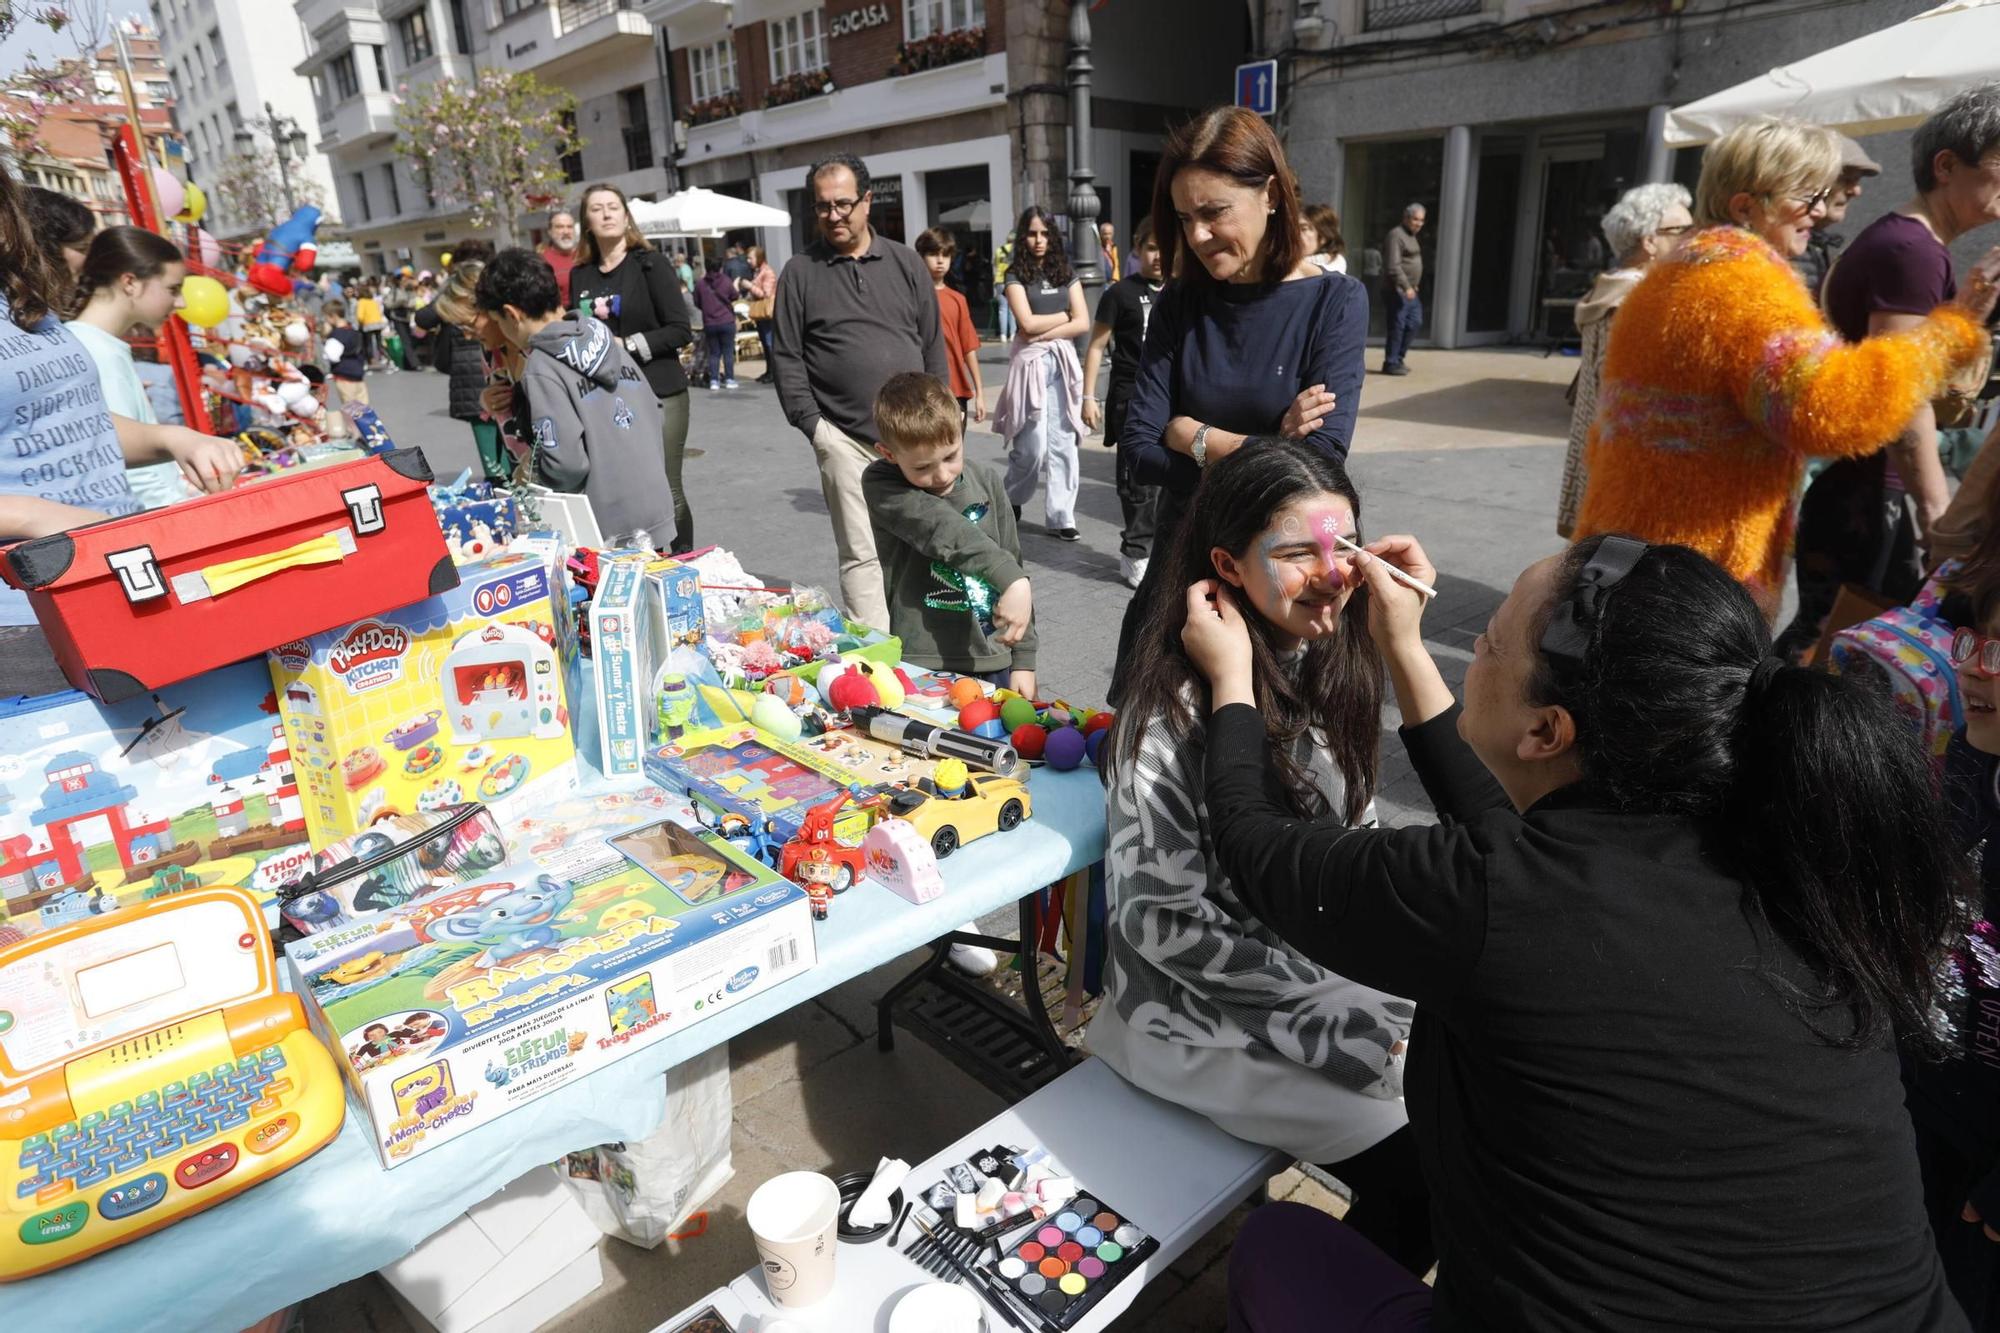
1205	1006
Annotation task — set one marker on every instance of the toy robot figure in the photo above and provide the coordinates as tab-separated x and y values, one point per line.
817	873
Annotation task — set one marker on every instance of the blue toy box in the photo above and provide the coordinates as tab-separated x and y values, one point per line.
105	805
454	1009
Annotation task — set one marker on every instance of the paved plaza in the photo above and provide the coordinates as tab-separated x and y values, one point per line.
1465	452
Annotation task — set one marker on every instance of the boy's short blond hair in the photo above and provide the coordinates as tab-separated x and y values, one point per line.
1769	158
915	411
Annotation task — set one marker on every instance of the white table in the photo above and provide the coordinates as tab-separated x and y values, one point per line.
1171	1171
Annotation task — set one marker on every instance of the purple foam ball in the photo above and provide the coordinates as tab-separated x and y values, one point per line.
1093	744
1065	749
993	729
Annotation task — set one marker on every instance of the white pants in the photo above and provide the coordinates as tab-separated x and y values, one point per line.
1045	451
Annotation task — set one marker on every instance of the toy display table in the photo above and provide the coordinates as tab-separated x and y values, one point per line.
1116	1137
340	1215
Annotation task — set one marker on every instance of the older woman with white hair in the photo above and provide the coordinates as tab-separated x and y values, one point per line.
1647	223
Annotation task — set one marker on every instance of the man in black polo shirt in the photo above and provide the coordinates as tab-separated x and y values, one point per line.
1123	313
853	310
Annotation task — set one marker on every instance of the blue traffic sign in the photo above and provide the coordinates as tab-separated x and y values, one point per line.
1257	87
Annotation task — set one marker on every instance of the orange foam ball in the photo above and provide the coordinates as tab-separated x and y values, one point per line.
963	691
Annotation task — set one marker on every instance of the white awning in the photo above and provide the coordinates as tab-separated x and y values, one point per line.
699	212
1888	80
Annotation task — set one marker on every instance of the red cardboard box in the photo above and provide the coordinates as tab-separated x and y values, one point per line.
134	603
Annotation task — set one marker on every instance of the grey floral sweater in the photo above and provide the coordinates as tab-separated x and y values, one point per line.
1204	1006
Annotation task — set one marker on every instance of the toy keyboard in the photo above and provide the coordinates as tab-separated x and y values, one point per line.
130	1129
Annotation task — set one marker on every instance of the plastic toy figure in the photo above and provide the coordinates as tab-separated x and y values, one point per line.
815	839
757	841
816	873
676	696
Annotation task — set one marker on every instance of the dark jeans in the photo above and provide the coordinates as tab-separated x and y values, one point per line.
1138	504
721	345
1296	1270
1167	515
1401	325
1854	527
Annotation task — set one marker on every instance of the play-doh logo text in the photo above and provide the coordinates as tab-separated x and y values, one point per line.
369	655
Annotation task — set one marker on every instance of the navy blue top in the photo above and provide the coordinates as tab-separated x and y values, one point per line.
1235	356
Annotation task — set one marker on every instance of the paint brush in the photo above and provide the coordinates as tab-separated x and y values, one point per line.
1394	573
997	1293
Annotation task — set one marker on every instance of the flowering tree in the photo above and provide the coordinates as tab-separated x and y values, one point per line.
489	144
250	189
30	94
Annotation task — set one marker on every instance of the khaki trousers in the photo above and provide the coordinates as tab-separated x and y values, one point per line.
842	458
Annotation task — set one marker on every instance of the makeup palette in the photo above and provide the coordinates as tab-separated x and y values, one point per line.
1068	1263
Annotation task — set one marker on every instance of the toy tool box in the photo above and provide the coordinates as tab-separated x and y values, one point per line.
149	1068
134	603
456	1008
103	806
460	697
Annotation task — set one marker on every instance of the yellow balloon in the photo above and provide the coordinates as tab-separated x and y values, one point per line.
204	303
195	207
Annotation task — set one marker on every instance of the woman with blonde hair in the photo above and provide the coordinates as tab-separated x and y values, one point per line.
620	279
464	355
1722	377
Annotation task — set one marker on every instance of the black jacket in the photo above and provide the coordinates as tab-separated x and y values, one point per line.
1622	1123
459	357
649	300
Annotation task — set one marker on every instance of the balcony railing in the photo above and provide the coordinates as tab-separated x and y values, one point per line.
1379	14
573	14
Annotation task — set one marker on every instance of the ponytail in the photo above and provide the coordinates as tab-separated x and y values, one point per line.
1836	818
1819	794
117	251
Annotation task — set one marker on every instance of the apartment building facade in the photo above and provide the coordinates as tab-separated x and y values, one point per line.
1517	123
958	106
361	52
230	63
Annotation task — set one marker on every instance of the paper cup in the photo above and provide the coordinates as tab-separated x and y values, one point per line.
792	1219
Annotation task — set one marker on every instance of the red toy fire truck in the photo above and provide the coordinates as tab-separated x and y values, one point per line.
816	836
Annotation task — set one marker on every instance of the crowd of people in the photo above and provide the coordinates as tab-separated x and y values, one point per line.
1682	1014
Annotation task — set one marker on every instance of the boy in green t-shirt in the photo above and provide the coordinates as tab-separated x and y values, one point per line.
951	558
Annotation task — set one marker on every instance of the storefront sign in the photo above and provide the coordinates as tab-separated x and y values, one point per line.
858	20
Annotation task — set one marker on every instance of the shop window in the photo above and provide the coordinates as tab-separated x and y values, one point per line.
1382	179
798	45
928	18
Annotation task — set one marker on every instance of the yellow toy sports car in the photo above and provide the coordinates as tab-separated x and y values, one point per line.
989	804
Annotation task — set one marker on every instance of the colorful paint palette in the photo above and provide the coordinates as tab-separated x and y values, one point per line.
1065	1266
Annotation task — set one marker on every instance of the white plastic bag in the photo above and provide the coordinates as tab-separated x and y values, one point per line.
640	1191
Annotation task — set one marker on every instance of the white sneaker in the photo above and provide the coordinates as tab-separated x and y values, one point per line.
714	387
975	960
1132	571
731	384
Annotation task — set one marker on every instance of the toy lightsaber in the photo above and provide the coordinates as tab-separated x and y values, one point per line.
921	738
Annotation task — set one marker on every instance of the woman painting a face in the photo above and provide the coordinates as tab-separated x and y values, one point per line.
1205	1006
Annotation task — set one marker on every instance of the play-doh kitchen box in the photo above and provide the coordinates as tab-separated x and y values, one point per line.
456	1008
461	697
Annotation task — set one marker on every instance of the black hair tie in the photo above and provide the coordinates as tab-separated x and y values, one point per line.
1760	675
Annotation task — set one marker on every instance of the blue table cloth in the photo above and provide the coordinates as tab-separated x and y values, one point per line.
340	1214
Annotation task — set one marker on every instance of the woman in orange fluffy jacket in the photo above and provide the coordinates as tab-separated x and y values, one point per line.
1722	377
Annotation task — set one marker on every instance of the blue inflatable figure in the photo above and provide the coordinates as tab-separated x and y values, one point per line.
510	925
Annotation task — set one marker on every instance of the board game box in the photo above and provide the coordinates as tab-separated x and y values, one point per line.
106	805
461	697
454	1009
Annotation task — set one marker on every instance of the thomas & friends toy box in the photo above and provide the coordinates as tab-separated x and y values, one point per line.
103	806
462	697
454	1009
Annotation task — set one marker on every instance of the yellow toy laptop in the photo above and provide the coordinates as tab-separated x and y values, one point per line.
149	1068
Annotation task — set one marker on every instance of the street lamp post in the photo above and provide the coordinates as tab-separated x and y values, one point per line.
286	138
1082	187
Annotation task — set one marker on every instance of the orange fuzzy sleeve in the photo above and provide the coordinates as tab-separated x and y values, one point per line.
1804	387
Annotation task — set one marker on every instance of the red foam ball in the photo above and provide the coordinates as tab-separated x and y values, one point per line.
851	690
1098	722
976	712
1029	740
